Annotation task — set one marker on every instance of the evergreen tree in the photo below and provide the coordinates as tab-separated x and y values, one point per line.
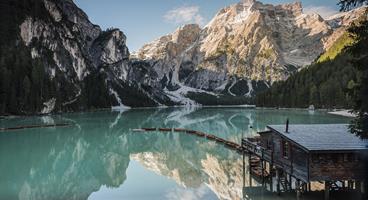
26	91
359	90
314	95
322	84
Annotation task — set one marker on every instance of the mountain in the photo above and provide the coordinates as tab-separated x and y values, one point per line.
53	59
248	41
324	84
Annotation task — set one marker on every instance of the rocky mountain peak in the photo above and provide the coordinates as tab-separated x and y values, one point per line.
110	47
296	8
174	43
248	40
186	33
248	2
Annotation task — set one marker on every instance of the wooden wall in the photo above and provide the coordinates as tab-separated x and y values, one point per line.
296	164
308	166
336	166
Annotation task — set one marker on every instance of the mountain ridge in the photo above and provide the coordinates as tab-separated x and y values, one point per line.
53	59
218	41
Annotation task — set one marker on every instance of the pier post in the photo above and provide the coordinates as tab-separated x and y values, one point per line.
243	169
271	178
297	187
327	190
304	189
358	186
350	185
278	182
290	182
250	168
262	168
244	194
363	187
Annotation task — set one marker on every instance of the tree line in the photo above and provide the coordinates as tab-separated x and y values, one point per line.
323	85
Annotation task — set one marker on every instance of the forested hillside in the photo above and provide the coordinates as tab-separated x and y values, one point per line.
324	84
53	59
22	79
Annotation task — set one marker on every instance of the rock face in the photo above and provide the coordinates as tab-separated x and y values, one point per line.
83	61
248	41
245	47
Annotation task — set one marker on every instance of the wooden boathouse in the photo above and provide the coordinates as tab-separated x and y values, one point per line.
298	155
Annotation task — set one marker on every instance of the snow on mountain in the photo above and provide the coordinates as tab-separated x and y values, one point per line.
242	50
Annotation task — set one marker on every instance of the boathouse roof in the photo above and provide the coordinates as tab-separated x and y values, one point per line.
322	137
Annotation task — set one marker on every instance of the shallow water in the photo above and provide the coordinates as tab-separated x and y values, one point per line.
100	157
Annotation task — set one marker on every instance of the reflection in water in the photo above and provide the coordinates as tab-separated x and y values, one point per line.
92	157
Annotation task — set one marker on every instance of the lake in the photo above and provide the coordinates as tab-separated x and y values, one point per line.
99	156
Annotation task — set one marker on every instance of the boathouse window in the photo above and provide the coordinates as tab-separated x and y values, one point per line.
348	157
269	144
285	149
356	158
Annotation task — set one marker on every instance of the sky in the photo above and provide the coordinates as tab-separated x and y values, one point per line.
142	21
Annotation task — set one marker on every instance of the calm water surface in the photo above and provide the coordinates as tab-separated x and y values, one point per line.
100	157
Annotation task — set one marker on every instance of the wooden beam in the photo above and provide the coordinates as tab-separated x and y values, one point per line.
290	182
327	190
297	187
358	186
243	169
250	168
363	187
262	168
278	181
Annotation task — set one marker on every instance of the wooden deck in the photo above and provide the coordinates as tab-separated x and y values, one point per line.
228	144
252	146
258	159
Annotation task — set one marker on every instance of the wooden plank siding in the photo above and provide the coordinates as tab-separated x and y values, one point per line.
314	152
297	163
336	166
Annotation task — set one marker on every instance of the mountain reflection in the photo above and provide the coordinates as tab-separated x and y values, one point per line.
74	162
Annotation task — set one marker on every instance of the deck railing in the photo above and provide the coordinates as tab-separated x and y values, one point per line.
252	146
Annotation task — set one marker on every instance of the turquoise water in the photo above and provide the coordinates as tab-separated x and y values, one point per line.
100	157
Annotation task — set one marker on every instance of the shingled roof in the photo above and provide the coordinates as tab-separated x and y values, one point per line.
322	137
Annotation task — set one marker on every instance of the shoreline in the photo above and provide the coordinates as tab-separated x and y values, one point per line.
338	112
345	113
117	109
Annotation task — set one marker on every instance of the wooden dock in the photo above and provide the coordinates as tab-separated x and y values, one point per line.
33	127
228	144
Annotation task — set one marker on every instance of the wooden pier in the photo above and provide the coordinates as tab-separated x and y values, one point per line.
33	127
228	144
